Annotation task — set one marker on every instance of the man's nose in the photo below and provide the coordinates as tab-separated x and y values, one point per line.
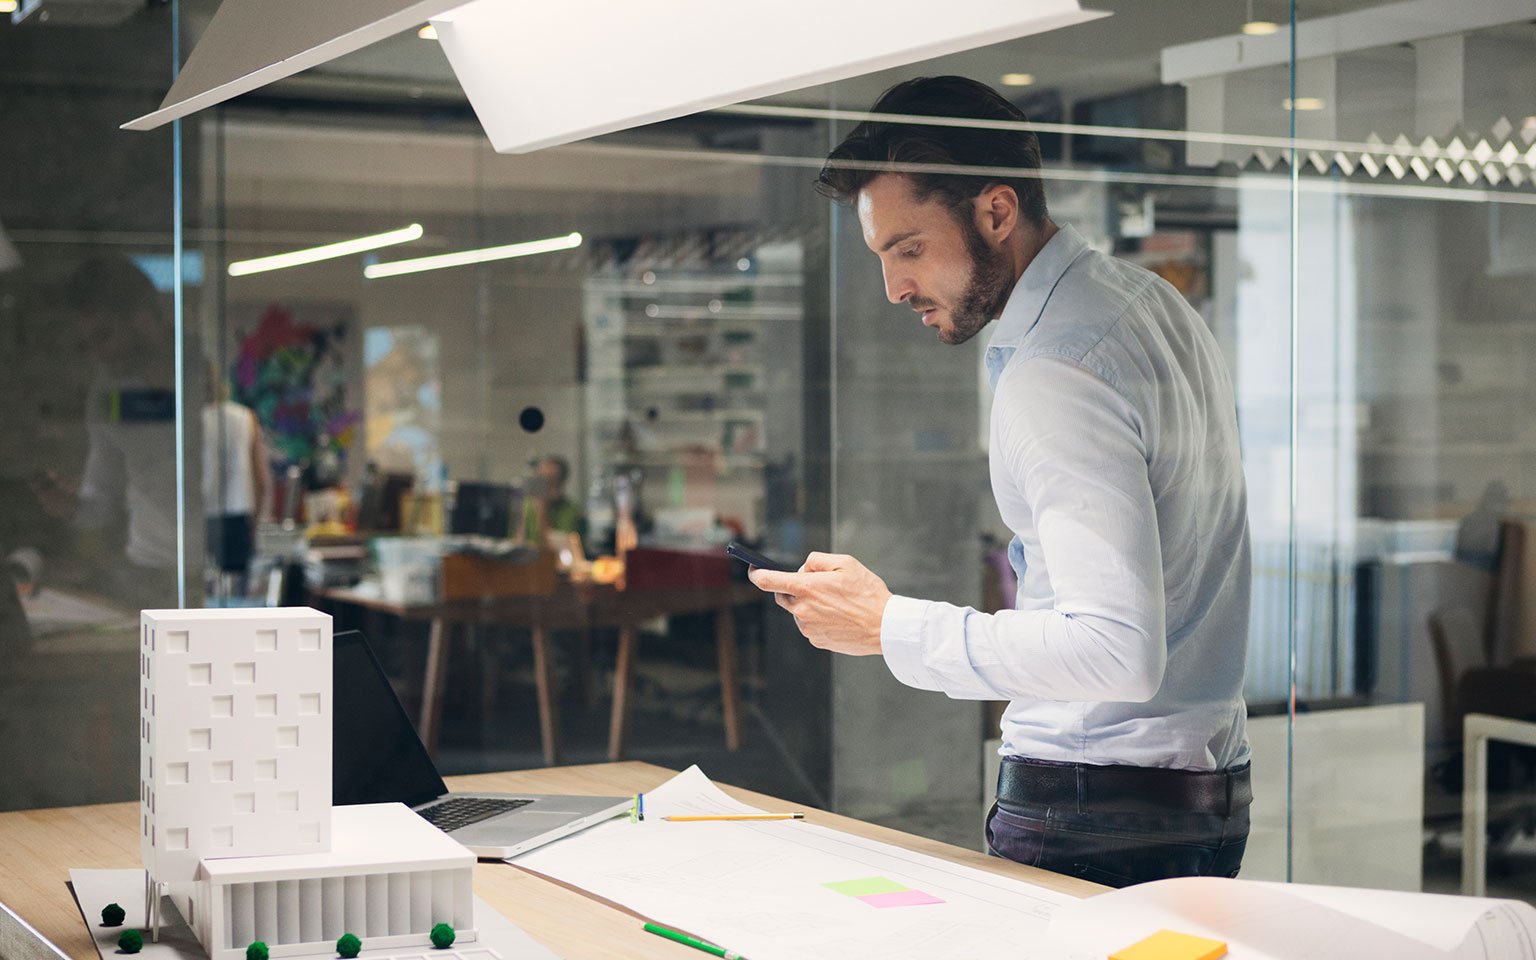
898	289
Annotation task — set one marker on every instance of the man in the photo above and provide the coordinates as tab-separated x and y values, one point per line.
1114	459
548	509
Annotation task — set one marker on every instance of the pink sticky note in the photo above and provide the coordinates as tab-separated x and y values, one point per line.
903	898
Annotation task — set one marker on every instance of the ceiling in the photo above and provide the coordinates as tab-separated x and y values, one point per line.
1116	53
338	163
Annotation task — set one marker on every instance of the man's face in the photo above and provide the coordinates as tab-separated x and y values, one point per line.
935	262
549	472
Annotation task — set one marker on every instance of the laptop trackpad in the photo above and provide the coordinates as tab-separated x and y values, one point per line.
516	825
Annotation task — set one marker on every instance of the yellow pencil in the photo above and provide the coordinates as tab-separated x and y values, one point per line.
744	816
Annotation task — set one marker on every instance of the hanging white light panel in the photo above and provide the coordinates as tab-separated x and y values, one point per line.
250	43
541	74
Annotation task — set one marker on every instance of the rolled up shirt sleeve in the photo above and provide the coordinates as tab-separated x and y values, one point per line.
1073	446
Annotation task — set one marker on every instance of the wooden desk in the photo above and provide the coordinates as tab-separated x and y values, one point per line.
42	845
572	607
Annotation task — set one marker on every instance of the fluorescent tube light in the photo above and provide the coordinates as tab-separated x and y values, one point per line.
1018	79
7	6
330	251
1302	103
466	257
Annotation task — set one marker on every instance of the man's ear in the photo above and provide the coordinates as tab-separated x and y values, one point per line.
997	212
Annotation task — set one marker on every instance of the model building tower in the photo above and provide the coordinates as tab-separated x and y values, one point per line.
236	736
235	797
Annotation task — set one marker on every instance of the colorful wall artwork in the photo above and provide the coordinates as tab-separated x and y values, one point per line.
290	366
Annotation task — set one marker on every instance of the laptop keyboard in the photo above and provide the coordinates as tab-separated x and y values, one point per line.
456	812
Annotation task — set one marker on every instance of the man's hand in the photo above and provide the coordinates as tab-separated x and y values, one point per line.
836	601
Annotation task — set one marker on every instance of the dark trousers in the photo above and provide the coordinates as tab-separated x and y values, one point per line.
1120	825
230	542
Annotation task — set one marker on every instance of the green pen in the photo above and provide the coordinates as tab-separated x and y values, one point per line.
694	942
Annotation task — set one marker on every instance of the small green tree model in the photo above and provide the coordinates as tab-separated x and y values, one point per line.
132	941
256	951
442	936
348	946
112	915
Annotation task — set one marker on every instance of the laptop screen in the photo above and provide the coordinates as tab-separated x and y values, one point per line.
376	756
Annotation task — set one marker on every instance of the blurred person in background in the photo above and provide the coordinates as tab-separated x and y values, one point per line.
126	490
235	474
547	509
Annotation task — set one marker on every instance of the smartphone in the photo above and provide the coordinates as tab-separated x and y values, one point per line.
754	559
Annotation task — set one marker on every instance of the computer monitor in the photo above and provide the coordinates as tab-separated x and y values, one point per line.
379	508
488	509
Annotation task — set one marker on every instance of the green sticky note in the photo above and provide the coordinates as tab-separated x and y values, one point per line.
865	887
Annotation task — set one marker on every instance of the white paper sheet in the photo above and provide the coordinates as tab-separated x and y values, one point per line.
1278	921
759	887
95	889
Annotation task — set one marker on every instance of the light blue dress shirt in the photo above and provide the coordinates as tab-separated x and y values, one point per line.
1115	462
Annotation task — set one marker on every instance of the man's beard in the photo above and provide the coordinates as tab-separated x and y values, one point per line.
985	292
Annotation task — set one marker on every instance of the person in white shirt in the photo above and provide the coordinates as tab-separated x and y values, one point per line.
1115	461
234	482
127	483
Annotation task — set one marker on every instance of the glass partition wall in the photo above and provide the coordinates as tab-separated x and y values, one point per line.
515	475
1412	444
88	471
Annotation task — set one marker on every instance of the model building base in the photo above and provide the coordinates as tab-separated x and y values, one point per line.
499	938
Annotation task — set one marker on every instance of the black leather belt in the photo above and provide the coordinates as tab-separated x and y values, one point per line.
1086	788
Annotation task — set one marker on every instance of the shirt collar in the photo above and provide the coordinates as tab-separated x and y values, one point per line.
1030	294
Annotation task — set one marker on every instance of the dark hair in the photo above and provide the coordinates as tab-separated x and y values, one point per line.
857	160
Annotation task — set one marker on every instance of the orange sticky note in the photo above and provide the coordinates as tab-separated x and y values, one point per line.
1168	945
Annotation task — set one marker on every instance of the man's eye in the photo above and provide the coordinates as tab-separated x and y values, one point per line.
911	251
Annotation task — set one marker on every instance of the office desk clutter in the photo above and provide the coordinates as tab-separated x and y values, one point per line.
245	854
241	845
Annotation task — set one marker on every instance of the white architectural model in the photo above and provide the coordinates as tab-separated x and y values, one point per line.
235	797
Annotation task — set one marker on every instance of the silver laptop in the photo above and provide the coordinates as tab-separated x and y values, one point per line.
378	758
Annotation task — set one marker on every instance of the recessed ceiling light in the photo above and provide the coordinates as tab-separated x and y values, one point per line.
1260	28
1303	103
1018	79
427	32
7	6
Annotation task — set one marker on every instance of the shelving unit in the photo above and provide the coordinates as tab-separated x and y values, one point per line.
676	381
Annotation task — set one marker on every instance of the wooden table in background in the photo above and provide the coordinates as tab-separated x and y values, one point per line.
575	607
40	847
